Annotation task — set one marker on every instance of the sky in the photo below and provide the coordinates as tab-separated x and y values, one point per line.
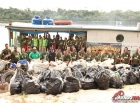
101	5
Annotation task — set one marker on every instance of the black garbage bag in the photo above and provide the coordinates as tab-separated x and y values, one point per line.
55	73
15	88
54	86
102	78
16	84
71	84
77	74
116	80
113	68
88	83
91	71
121	71
129	78
43	76
80	68
30	87
137	73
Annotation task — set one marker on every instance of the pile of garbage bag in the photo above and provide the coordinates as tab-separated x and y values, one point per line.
56	77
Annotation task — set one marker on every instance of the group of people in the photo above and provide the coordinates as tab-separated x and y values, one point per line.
70	55
52	43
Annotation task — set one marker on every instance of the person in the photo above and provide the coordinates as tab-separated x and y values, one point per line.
34	54
67	57
88	56
44	43
68	50
40	41
93	55
6	53
105	55
52	55
24	42
23	55
35	41
74	55
59	55
136	58
98	57
44	55
28	50
117	57
76	43
65	43
57	40
126	56
81	54
15	55
54	42
29	41
61	43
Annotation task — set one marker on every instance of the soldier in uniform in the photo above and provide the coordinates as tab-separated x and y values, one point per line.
54	42
29	41
98	57
81	54
65	43
68	50
24	42
57	40
105	55
44	55
67	57
40	41
24	55
126	56
80	44
6	53
15	55
60	44
74	54
117	57
88	56
59	55
93	55
28	52
84	43
76	43
136	58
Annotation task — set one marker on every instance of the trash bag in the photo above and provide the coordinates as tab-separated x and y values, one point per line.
88	83
77	74
91	71
30	87
16	84
116	80
15	88
66	73
71	84
129	78
54	86
102	78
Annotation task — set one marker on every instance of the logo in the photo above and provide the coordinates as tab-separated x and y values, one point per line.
121	97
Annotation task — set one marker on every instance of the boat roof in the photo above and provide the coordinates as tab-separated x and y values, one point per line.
48	28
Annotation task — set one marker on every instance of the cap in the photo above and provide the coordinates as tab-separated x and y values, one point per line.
34	47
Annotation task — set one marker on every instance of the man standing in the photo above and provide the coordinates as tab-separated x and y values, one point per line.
59	55
29	41
24	42
52	55
136	58
74	54
117	57
35	41
76	44
44	55
40	43
105	55
61	43
44	43
6	53
34	54
81	54
23	55
15	55
126	56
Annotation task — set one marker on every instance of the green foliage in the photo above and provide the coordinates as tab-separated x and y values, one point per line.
14	14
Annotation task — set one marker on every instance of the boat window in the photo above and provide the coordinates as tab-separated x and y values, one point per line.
119	38
14	38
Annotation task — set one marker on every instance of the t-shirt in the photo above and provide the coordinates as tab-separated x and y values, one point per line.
52	56
34	55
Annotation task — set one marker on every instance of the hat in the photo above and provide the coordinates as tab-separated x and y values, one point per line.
34	47
18	65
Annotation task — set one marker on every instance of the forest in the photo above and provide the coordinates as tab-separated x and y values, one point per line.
13	14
